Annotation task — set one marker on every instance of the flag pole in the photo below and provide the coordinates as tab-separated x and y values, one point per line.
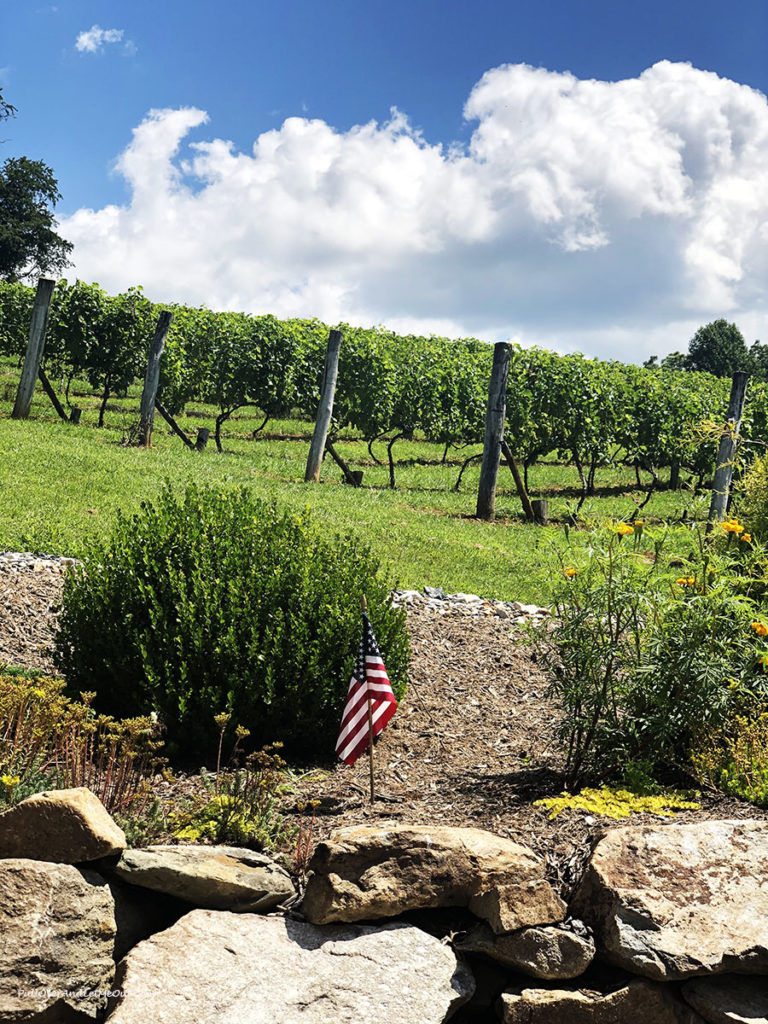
370	718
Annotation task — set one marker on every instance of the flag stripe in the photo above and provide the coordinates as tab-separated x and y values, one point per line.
369	681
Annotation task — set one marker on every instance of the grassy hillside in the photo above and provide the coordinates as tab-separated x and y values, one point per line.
62	484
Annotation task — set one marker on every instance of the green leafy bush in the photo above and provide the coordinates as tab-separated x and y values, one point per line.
241	803
753	501
735	757
215	600
645	653
48	741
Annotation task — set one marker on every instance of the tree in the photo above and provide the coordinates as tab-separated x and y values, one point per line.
28	242
718	348
674	361
759	355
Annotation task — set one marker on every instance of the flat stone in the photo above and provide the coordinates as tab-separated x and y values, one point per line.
729	999
553	954
507	908
639	1002
215	877
224	968
65	826
57	932
369	872
674	901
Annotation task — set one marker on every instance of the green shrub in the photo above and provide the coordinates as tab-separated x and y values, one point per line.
241	801
753	500
48	741
645	653
735	757
213	600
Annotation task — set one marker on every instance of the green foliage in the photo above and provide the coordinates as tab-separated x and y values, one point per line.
50	742
718	348
619	803
735	757
753	497
643	653
28	243
213	599
242	805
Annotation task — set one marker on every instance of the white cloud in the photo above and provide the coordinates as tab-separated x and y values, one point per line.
613	217
95	39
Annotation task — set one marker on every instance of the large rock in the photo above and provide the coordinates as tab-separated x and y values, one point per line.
225	968
66	826
639	1002
549	953
214	877
728	999
368	872
57	930
140	913
673	901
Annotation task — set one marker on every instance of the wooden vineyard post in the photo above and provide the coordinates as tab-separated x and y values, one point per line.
525	501
324	409
48	389
494	431
35	346
151	378
721	485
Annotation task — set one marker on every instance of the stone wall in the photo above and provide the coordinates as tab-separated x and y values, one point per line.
412	924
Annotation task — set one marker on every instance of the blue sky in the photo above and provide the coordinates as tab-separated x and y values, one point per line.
573	173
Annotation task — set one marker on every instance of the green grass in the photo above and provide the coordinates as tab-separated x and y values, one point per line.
63	484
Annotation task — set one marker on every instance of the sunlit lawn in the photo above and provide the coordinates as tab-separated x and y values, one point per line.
63	484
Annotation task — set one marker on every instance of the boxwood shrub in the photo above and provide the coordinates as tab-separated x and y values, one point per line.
214	601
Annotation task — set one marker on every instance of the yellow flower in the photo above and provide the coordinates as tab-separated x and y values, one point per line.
639	522
10	780
686	581
760	628
746	537
764	661
570	571
731	526
623	529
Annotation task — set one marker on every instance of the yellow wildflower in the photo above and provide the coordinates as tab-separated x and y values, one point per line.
10	780
760	628
746	537
686	581
623	529
570	571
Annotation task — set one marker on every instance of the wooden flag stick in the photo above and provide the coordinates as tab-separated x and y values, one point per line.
370	718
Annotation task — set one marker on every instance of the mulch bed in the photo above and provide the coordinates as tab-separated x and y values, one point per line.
473	742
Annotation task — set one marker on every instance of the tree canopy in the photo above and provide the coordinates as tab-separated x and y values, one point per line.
718	348
28	192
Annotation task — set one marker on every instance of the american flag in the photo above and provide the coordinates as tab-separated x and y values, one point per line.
369	679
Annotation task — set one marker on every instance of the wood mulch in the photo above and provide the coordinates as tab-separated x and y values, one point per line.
473	742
